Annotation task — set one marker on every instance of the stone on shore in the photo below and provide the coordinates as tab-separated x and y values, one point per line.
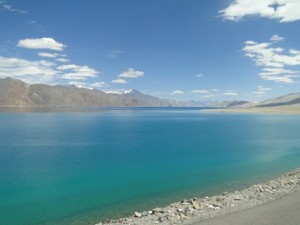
188	211
137	214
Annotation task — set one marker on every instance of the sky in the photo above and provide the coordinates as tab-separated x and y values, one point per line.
208	50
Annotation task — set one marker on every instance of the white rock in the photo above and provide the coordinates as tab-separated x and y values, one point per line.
137	214
211	207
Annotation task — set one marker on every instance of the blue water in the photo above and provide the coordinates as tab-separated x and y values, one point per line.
81	168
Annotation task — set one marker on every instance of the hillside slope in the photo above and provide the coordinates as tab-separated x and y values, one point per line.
17	93
284	100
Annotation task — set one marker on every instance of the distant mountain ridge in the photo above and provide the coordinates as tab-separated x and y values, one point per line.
289	99
286	104
233	103
292	99
16	93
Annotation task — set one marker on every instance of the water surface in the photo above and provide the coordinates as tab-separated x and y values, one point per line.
80	168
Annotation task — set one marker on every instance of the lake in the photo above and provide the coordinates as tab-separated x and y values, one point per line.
84	167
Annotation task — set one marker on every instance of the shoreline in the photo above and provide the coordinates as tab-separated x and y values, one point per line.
280	211
196	210
280	110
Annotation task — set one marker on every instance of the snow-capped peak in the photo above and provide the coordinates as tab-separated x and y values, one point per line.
119	92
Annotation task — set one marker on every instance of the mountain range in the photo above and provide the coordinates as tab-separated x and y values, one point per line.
289	99
286	104
16	93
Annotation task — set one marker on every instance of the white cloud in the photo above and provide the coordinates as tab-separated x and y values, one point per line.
41	43
131	73
119	81
68	67
63	60
56	56
206	93
258	92
119	91
80	84
29	71
294	52
48	55
200	91
43	71
282	10
10	8
230	93
200	75
276	71
208	96
77	72
99	84
261	90
273	60
32	22
114	54
280	79
264	55
276	38
177	92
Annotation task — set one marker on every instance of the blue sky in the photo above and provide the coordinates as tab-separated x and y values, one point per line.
177	49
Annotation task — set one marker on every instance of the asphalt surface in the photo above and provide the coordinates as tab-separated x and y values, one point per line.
283	211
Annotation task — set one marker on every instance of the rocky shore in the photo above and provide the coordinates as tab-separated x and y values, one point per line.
189	211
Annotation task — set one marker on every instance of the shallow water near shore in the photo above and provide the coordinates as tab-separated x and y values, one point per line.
84	167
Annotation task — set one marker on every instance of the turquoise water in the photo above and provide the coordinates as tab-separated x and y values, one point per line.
81	168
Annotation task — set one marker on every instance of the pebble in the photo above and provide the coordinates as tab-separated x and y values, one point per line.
196	205
189	210
137	214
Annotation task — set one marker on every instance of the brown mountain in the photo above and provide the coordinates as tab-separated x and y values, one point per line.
289	99
17	93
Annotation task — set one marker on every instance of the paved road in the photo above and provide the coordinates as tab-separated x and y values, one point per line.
284	211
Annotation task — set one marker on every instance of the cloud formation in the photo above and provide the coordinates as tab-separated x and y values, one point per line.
49	69
206	93
131	73
56	56
63	60
41	43
177	92
230	93
43	71
114	54
282	10
80	84
77	72
261	90
276	38
10	8
200	91
48	55
119	81
29	71
98	84
273	60
200	75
